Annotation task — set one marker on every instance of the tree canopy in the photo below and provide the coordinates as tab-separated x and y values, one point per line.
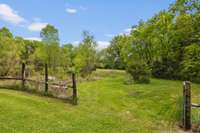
167	44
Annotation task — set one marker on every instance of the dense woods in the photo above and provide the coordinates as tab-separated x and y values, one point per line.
165	46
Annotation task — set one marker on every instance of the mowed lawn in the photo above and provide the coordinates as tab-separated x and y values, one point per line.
106	105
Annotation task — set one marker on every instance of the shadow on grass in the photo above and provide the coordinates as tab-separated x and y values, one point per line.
68	100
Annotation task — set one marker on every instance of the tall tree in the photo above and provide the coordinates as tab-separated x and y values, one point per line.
50	37
115	51
85	60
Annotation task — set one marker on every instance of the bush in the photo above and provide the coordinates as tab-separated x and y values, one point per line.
191	63
166	68
140	72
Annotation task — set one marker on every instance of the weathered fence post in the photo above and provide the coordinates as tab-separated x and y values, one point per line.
23	75
75	100
46	78
186	105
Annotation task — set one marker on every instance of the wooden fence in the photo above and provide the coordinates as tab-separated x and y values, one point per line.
46	82
186	117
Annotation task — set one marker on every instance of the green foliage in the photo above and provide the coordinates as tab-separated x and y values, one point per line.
27	51
60	59
191	63
68	55
49	34
4	32
39	55
102	59
140	72
50	38
165	68
85	59
114	52
163	43
9	54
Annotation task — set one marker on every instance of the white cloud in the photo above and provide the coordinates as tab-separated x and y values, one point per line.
102	44
128	30
76	43
37	26
33	38
9	15
71	10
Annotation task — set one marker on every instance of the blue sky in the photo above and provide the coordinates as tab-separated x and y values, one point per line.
103	18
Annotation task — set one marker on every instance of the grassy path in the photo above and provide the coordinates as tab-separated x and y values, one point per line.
105	106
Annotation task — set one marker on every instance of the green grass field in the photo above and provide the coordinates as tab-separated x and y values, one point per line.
106	105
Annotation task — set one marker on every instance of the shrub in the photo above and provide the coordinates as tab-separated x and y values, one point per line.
140	72
166	68
191	63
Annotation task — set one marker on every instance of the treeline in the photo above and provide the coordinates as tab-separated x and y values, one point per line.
60	58
166	46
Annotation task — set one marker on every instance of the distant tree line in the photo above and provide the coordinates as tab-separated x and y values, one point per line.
165	46
67	57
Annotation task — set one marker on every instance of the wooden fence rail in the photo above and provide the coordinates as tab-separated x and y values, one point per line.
195	105
67	84
46	82
10	78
